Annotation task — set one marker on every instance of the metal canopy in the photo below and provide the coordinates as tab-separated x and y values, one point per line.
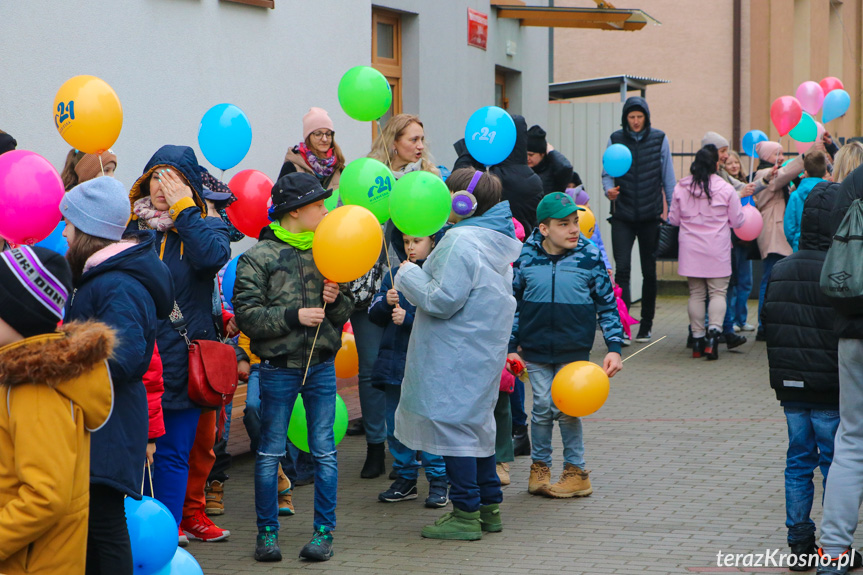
600	86
567	17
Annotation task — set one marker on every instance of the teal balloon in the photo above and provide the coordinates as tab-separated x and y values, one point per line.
836	103
420	204
806	129
225	136
298	427
616	160
367	182
152	534
365	94
332	202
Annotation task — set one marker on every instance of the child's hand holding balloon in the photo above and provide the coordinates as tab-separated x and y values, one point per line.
331	291
399	316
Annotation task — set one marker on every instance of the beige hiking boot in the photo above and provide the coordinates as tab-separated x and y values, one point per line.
540	479
286	502
214	495
503	473
574	482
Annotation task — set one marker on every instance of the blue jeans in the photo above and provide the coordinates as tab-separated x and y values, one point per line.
737	296
544	415
767	267
279	389
516	404
171	462
373	402
405	462
473	482
810	445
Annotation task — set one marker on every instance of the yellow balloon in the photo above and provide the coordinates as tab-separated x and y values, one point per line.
347	243
347	358
580	388
586	222
88	114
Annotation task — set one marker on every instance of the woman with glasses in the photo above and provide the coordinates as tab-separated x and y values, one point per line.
318	154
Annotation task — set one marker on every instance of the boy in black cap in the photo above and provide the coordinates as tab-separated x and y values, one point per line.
281	302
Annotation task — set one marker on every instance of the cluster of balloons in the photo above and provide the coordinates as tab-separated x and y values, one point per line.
795	116
153	535
580	388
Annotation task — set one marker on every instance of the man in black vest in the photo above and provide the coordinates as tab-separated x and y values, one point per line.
637	207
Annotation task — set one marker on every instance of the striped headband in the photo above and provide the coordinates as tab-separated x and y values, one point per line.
36	279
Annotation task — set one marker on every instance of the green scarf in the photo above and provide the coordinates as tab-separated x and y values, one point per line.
301	241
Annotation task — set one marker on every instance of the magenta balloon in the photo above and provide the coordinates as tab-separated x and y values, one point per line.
752	224
30	195
785	111
810	95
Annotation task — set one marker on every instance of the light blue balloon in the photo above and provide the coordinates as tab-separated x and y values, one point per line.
152	532
616	160
490	135
751	139
183	563
225	136
229	279
56	242
836	103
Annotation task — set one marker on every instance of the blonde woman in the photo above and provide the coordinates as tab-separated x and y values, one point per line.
402	146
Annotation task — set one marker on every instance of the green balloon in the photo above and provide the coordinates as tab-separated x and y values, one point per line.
298	429
365	94
332	202
806	130
367	182
420	204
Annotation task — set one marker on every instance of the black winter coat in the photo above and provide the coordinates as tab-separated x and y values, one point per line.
848	326
555	171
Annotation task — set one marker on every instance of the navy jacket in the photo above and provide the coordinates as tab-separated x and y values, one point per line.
194	251
555	171
390	365
559	298
130	292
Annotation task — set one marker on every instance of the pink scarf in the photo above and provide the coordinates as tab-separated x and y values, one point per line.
155	220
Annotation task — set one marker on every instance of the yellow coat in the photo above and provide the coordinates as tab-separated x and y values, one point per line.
54	390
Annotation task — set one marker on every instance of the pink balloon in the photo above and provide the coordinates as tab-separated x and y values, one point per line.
811	96
831	83
785	112
752	224
30	195
803	147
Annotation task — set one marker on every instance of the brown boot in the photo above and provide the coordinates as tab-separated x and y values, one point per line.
286	503
214	494
503	473
574	482
540	479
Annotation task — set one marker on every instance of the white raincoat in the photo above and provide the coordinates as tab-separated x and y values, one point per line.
461	329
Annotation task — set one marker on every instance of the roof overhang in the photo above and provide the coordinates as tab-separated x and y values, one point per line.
568	17
600	86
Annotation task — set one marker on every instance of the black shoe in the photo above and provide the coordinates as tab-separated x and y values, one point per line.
393	475
690	341
401	490
374	465
356	428
807	555
697	347
267	546
760	336
733	340
303	481
520	440
438	494
711	344
320	548
643	332
721	338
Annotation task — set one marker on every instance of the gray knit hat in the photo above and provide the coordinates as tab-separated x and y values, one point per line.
715	139
99	207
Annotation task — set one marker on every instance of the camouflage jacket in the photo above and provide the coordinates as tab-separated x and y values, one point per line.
274	281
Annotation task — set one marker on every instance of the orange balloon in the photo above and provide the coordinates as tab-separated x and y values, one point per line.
580	388
586	222
88	114
347	359
347	243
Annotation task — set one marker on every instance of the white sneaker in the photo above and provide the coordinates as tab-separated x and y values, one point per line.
747	327
626	342
736	329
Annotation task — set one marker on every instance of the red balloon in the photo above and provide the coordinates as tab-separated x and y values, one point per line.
831	83
249	212
785	112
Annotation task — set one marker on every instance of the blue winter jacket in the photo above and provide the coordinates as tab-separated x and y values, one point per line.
390	365
559	299
794	210
194	250
131	292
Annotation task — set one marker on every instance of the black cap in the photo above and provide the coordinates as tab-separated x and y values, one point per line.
296	190
536	141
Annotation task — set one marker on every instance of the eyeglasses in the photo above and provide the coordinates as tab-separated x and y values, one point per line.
322	135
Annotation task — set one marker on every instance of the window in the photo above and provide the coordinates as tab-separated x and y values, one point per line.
261	3
500	99
387	55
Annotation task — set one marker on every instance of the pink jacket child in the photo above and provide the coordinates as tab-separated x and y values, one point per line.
705	241
625	319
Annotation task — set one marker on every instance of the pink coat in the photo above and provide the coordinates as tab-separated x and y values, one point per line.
705	235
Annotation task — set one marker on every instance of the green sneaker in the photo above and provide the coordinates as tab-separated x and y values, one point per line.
320	548
267	546
489	516
456	525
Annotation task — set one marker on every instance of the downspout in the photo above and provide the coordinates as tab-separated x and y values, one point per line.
736	75
551	50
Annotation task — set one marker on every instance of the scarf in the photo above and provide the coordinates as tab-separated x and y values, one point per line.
408	168
155	219
302	241
323	168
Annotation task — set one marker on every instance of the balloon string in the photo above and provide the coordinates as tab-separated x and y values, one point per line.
312	352
150	472
103	173
386	152
222	176
643	348
143	479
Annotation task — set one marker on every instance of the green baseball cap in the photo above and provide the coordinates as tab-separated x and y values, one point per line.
556	205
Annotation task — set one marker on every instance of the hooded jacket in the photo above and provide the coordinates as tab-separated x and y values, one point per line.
652	170
194	251
522	188
54	390
794	210
130	291
849	324
802	347
555	171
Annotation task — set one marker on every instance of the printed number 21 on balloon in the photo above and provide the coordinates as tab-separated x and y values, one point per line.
65	112
485	135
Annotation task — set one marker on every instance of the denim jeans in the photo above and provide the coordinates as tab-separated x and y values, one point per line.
279	389
544	415
473	482
810	445
171	461
503	448
738	295
373	402
767	267
516	404
405	462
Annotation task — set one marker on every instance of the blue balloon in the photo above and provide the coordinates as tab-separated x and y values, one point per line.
56	242
751	139
490	135
183	563
153	533
616	160
836	103
225	136
228	280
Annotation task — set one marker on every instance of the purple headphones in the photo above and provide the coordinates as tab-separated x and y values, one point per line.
464	202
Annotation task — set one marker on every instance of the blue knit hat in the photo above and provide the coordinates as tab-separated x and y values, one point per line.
99	207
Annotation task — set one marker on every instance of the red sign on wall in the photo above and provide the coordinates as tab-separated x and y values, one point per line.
477	29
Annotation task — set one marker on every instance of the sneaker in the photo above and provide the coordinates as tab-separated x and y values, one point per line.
438	494
834	566
200	528
737	329
520	440
806	554
320	548
214	494
457	525
286	499
393	475
503	473
746	327
643	333
573	482
626	342
540	479
183	540
267	545
733	340
356	428
489	517
401	490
